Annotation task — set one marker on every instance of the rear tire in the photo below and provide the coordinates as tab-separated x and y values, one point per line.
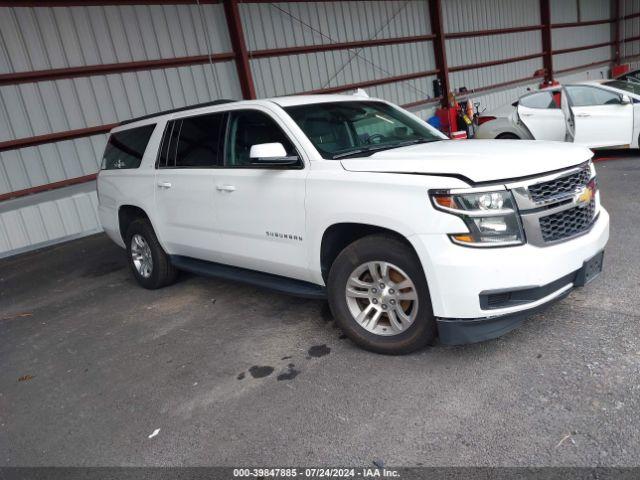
508	136
148	261
379	296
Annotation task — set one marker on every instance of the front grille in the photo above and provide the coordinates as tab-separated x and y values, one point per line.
567	223
555	188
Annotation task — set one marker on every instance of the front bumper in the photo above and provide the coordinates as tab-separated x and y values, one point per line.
457	276
459	332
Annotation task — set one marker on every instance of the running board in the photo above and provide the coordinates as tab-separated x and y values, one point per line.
280	284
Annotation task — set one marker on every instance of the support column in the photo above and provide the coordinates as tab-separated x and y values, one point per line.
439	48
236	35
615	10
547	49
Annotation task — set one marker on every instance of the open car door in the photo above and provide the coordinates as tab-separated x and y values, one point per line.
601	118
569	120
540	112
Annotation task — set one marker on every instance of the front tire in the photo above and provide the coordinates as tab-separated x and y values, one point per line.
148	261
379	296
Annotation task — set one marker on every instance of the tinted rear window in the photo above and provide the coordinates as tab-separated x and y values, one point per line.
199	142
126	148
539	100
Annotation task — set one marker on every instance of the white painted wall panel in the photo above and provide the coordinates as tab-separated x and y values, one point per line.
583	57
589	74
300	73
484	77
465	51
565	11
49	221
580	36
56	106
58	37
465	15
45	107
280	25
595	10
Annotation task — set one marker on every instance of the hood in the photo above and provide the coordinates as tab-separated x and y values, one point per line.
476	160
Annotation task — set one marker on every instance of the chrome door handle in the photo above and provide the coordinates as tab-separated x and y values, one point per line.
226	188
583	115
526	114
164	184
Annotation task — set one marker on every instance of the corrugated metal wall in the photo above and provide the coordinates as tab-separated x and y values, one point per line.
463	16
60	37
281	25
570	37
44	38
630	28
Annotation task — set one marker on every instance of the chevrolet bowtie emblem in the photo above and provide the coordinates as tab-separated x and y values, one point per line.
586	195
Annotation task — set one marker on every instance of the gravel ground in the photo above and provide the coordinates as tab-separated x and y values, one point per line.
92	365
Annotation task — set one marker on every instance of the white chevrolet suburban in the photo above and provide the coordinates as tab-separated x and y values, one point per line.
409	235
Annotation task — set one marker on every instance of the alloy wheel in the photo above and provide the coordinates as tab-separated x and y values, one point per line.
382	298
141	256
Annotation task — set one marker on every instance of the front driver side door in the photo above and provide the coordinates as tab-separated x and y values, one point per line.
601	120
261	209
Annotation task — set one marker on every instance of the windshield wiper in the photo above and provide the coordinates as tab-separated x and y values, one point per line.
356	152
383	147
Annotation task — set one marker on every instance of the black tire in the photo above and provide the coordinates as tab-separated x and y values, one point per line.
508	136
382	248
162	272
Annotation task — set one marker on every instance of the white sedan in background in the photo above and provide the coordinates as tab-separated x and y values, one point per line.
596	114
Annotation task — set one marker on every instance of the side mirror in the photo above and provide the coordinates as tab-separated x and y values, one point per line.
625	100
270	154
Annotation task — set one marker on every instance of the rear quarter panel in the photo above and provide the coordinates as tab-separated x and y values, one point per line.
135	186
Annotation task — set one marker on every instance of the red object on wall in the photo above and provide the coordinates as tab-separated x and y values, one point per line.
447	117
618	70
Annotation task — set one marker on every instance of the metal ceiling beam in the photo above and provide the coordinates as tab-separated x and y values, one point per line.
110	68
48	186
495	31
584	47
493	63
325	47
371	83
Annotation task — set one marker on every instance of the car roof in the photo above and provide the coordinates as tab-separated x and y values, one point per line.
286	101
294	100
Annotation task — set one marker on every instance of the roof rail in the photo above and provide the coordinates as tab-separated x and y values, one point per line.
181	109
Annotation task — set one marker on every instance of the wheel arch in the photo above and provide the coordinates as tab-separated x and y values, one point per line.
338	236
128	213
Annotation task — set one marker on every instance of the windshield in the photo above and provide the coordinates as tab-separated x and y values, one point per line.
626	86
343	129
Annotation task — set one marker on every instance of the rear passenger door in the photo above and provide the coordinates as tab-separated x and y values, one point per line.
541	114
261	209
186	205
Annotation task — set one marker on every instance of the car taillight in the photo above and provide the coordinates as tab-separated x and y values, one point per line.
482	120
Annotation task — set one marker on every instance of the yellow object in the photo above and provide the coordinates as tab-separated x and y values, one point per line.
463	238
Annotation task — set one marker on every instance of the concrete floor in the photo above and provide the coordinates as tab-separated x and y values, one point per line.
91	365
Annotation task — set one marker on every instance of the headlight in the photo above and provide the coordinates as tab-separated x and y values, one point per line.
491	217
